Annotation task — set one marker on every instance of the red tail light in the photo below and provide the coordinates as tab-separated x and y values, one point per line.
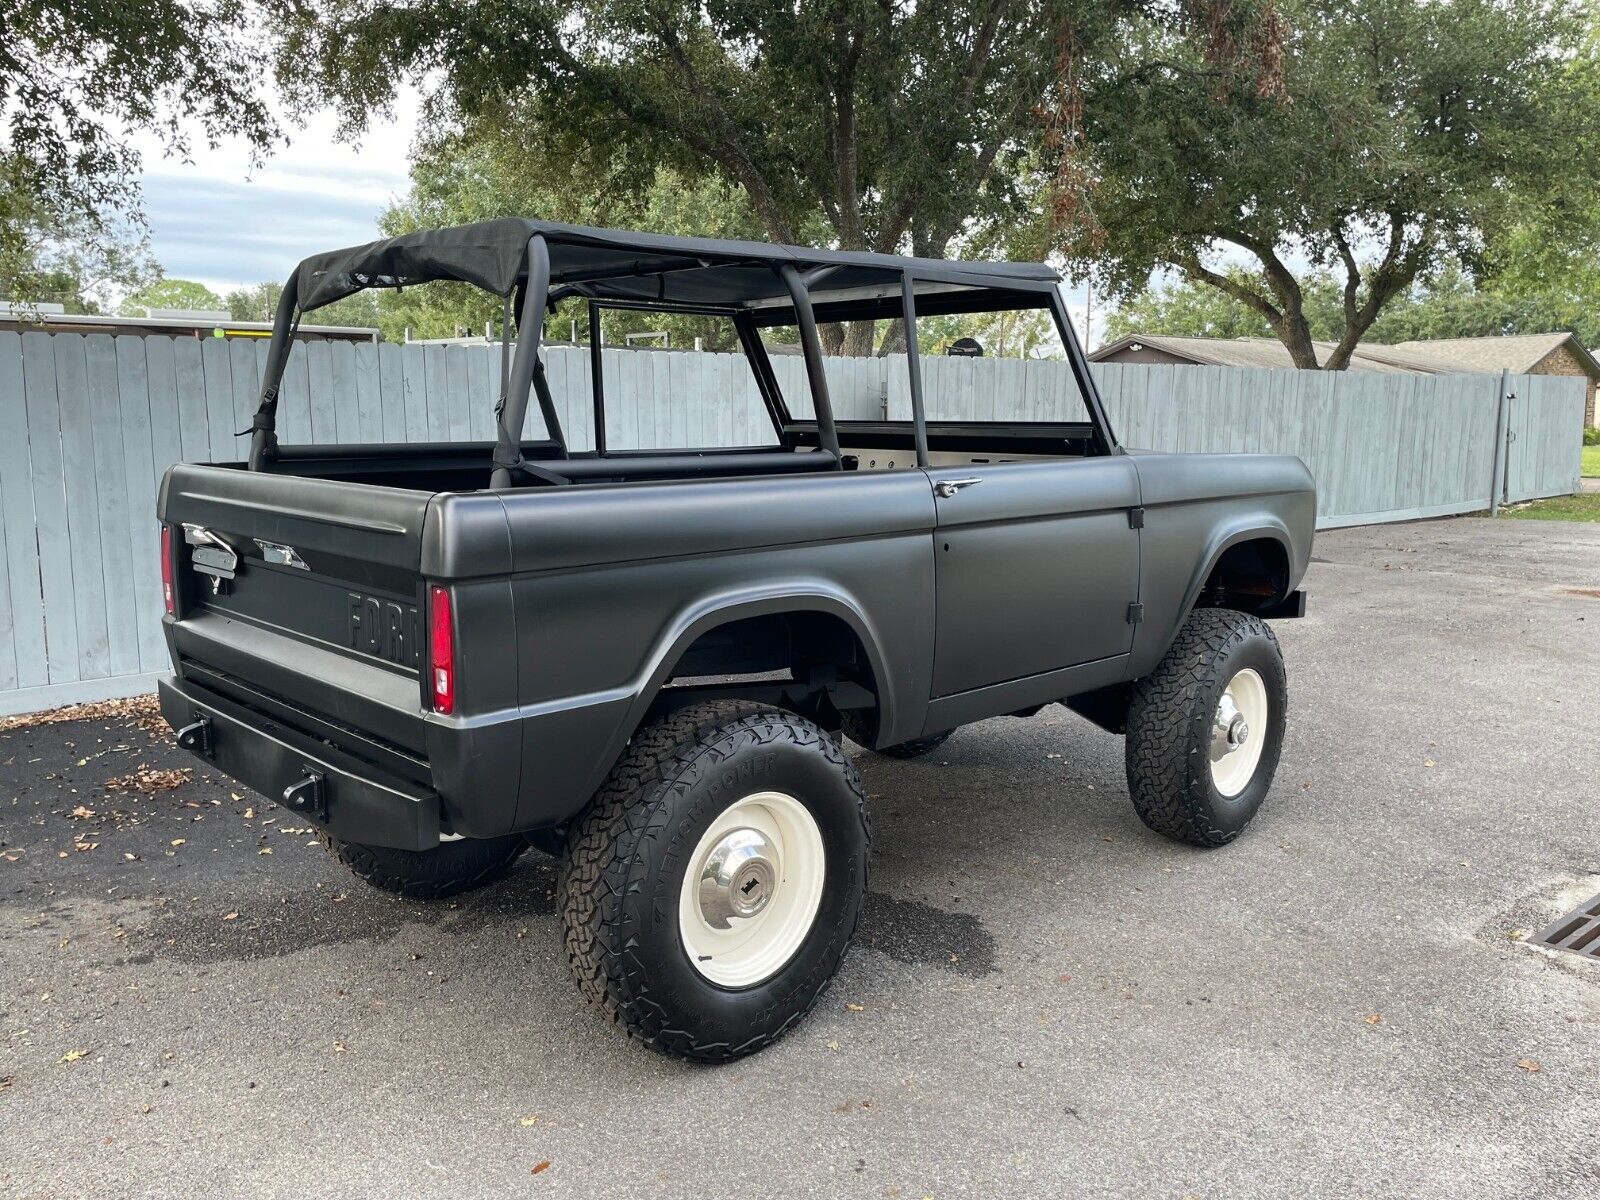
443	656
167	595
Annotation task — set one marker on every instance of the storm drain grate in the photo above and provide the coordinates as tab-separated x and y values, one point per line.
1578	931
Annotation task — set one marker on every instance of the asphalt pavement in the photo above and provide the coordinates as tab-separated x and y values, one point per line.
1045	998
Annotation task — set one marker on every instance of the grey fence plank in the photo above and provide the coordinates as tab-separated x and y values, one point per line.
113	510
23	649
369	401
319	372
50	507
138	448
216	364
244	364
458	380
194	423
346	401
416	394
80	481
438	394
392	391
295	427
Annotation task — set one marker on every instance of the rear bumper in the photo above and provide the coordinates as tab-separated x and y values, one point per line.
353	800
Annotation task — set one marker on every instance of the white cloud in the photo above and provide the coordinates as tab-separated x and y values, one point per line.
226	222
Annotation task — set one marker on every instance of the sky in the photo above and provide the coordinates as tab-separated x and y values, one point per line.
223	222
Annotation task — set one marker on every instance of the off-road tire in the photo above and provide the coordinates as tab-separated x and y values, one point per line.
862	730
447	870
629	851
1169	728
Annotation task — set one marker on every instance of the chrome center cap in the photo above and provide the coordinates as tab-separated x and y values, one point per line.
1229	730
737	878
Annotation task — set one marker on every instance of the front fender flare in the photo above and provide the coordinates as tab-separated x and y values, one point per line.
1256	527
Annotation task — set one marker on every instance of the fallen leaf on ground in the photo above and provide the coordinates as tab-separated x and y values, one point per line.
233	916
856	1007
1374	1018
142	710
540	1167
530	1119
81	813
74	1055
177	841
1530	1065
149	780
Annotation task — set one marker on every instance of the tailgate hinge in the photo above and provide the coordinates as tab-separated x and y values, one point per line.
1135	613
1136	517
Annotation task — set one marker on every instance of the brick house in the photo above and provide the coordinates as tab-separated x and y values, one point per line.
1521	354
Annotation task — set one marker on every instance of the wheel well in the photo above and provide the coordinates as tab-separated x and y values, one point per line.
808	661
1249	576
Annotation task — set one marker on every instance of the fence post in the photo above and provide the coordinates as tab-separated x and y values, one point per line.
1501	416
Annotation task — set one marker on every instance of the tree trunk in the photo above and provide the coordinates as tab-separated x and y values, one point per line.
1295	333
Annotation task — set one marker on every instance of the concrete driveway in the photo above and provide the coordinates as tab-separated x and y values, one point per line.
1045	1000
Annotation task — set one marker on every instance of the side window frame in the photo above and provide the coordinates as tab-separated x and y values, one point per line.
756	359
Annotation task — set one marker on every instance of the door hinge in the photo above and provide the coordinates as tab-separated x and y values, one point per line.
1136	518
1135	613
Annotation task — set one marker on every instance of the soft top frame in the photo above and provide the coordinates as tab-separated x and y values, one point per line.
533	264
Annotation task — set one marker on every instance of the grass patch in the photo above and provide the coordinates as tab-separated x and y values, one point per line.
1558	508
1591	461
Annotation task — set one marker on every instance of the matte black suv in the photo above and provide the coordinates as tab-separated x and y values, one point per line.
643	659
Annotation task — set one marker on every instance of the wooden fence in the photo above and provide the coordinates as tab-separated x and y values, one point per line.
88	424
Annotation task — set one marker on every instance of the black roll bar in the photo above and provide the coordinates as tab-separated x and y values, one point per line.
816	376
512	410
264	425
908	314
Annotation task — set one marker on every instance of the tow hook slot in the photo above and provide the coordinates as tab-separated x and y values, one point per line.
308	796
196	737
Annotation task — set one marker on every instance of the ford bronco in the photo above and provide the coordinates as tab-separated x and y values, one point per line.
643	654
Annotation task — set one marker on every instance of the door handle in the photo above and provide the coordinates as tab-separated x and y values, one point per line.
949	487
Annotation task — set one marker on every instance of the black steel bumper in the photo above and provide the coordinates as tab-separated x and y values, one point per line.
347	796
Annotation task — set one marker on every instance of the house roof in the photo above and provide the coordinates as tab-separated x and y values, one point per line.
1247	352
1519	353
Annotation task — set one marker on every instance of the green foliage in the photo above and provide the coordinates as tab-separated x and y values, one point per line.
1402	132
260	303
170	293
76	77
858	123
1591	441
1448	305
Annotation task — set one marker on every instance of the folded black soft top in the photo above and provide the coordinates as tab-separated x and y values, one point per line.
623	265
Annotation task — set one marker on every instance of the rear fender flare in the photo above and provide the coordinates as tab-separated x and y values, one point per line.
713	611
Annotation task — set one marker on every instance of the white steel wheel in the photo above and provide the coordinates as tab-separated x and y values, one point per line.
752	889
1238	732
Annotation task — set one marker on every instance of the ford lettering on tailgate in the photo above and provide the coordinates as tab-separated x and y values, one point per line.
385	629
